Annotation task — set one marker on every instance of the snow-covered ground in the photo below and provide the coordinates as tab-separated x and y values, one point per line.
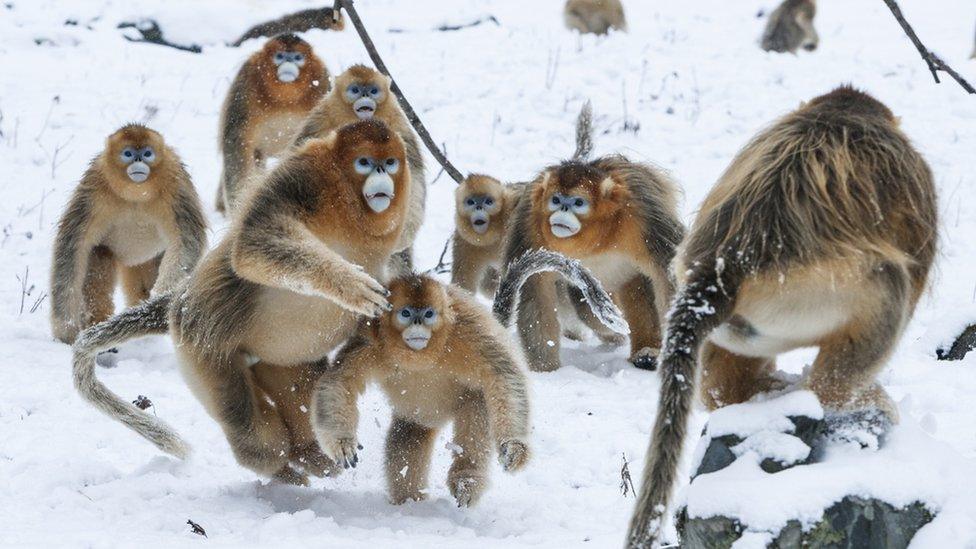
691	80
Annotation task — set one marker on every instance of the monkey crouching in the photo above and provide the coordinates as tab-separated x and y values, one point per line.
790	27
821	233
135	213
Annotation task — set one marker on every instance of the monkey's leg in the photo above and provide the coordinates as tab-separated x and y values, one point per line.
467	478
538	323
401	263
99	286
843	375
489	281
408	450
465	270
585	314
636	299
570	320
728	378
255	431
138	280
290	387
219	201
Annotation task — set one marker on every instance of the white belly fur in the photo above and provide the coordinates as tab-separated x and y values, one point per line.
133	241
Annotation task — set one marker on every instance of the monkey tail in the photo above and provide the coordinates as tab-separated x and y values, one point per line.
537	261
584	132
149	317
706	301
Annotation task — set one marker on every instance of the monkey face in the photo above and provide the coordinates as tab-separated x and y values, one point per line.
286	56
573	201
289	64
565	212
420	312
373	156
135	151
363	89
479	208
479	205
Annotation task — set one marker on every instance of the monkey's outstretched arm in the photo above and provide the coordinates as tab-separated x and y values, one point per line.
187	244
507	400
72	249
280	251
335	415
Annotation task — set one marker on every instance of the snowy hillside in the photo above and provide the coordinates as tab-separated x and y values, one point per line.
685	88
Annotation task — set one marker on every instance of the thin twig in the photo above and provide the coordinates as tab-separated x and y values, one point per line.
934	62
449	28
404	104
441	266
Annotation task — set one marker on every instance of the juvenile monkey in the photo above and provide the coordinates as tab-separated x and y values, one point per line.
269	99
285	287
361	93
594	16
619	218
790	27
483	207
440	356
820	233
135	213
300	21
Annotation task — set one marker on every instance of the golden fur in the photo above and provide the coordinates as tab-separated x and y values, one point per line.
469	373
594	16
152	233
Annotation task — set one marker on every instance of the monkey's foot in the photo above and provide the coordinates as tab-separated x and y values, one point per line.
867	429
314	462
573	334
646	359
513	455
612	339
343	451
288	475
108	359
466	488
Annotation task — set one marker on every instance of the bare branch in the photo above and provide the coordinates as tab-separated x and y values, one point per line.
404	104
934	62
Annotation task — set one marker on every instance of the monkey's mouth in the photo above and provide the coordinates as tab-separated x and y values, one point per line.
416	343
480	225
364	107
138	172
563	231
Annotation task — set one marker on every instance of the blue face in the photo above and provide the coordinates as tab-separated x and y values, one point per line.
132	154
478	202
416	315
357	90
295	57
569	203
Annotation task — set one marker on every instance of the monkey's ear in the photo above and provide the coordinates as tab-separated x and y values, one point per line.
607	186
897	121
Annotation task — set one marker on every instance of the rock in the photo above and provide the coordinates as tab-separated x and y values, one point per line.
852	523
721	451
960	347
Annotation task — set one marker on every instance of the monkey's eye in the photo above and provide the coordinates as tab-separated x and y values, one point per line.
148	155
128	155
279	58
363	165
298	57
355	89
429	316
392	165
489	201
469	202
555	200
581	205
374	91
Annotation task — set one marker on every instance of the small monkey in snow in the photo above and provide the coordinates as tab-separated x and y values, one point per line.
821	233
790	27
300	21
594	16
135	213
440	356
267	102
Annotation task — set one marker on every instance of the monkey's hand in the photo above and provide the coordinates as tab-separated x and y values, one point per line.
360	293
513	455
342	450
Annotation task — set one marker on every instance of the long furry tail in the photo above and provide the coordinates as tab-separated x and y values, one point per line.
537	261
705	302
584	133
149	317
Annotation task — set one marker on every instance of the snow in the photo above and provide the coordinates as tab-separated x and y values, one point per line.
503	99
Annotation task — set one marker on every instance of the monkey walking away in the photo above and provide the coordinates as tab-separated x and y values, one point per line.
790	27
300	21
361	93
820	233
594	16
135	213
303	259
440	356
619	218
483	208
267	102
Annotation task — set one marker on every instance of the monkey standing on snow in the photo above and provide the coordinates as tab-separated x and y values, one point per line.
361	93
440	356
619	218
267	102
820	233
790	27
483	207
285	287
594	16
135	212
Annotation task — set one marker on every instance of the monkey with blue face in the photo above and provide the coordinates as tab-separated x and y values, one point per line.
270	97
135	214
